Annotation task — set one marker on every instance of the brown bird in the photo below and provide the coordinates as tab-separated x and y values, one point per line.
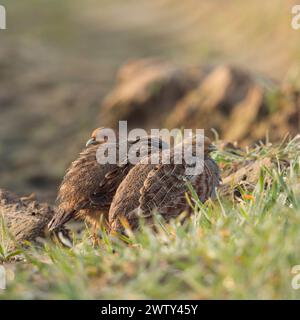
89	186
161	188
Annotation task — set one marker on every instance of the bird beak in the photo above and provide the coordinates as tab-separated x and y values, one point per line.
90	142
212	148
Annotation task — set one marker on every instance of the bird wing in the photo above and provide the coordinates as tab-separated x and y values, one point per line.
104	192
104	182
164	191
165	187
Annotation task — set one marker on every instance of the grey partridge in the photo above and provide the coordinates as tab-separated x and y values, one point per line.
148	188
89	186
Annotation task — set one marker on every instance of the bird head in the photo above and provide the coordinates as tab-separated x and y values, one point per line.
200	140
208	146
95	137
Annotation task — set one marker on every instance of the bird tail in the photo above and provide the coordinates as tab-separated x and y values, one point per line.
60	218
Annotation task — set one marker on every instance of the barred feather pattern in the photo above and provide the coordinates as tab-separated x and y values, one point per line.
159	188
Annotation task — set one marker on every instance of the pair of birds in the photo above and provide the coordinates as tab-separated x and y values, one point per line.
120	194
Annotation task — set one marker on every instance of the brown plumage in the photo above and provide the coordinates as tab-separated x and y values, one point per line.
25	218
161	188
88	187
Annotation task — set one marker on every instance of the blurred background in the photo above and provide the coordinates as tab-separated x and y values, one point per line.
67	67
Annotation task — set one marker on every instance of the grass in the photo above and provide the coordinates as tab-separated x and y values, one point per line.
6	251
230	248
